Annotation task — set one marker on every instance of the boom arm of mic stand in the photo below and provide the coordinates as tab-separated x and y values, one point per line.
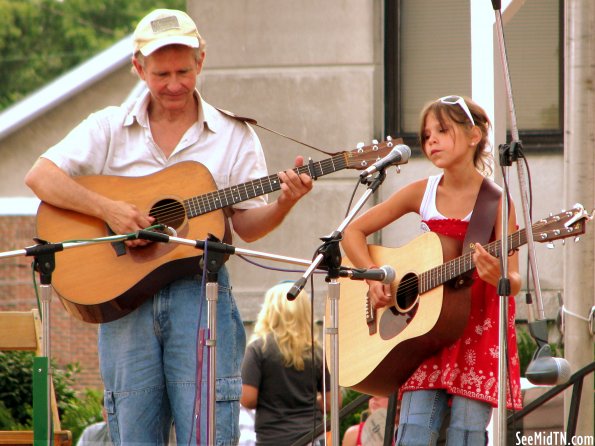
373	184
329	254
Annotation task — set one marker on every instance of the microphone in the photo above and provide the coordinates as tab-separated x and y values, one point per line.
399	155
153	236
384	274
296	289
545	370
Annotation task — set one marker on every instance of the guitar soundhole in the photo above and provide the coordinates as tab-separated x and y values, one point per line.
169	212
407	293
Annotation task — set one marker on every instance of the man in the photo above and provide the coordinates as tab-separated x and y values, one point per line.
148	358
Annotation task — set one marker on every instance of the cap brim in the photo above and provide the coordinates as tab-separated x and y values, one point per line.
170	40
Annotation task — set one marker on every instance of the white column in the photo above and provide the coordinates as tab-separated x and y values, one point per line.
579	163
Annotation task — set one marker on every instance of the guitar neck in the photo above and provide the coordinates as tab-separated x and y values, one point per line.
222	198
447	271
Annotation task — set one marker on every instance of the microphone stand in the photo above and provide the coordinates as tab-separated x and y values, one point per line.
329	255
213	263
45	263
214	258
508	154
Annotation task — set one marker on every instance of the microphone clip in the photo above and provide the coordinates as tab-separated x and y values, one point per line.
375	179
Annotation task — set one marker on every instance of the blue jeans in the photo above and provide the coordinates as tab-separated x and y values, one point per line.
422	414
148	363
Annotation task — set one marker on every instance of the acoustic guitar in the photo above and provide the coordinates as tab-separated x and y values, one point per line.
380	349
102	282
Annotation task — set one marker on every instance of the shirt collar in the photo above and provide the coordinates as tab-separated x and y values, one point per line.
137	109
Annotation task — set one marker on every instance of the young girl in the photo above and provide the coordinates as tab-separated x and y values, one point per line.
462	376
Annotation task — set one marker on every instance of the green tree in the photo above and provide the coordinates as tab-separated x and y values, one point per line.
42	39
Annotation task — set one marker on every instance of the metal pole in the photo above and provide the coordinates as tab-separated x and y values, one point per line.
333	333
212	295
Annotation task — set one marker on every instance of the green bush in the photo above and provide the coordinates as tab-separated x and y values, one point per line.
79	413
76	409
16	383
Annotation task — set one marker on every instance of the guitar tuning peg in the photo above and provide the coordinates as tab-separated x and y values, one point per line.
374	141
576	240
563	242
550	245
389	138
359	145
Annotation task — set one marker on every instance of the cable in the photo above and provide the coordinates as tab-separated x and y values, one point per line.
357	183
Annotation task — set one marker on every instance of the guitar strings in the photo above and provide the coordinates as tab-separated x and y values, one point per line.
214	200
447	271
164	215
174	212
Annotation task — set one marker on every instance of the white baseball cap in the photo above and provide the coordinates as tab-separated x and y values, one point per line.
165	27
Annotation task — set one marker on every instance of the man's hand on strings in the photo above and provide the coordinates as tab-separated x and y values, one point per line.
124	218
293	186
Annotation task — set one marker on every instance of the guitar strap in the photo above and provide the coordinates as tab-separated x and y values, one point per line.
483	218
253	121
481	225
228	234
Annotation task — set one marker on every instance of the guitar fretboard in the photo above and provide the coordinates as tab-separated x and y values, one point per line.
219	199
460	265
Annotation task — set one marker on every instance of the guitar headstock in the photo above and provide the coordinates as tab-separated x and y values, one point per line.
364	156
571	223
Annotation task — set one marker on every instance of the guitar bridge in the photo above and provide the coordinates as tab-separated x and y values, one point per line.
119	247
370	317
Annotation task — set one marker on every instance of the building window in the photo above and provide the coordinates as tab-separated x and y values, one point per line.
427	55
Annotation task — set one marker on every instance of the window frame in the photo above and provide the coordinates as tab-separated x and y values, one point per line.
539	141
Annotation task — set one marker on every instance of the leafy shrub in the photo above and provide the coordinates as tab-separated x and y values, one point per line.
76	410
16	384
79	413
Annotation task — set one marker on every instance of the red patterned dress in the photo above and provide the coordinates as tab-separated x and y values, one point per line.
469	367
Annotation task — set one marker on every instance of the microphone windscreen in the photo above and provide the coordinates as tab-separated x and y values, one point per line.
564	371
548	371
389	272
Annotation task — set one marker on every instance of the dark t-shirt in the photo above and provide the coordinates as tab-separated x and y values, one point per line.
286	397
